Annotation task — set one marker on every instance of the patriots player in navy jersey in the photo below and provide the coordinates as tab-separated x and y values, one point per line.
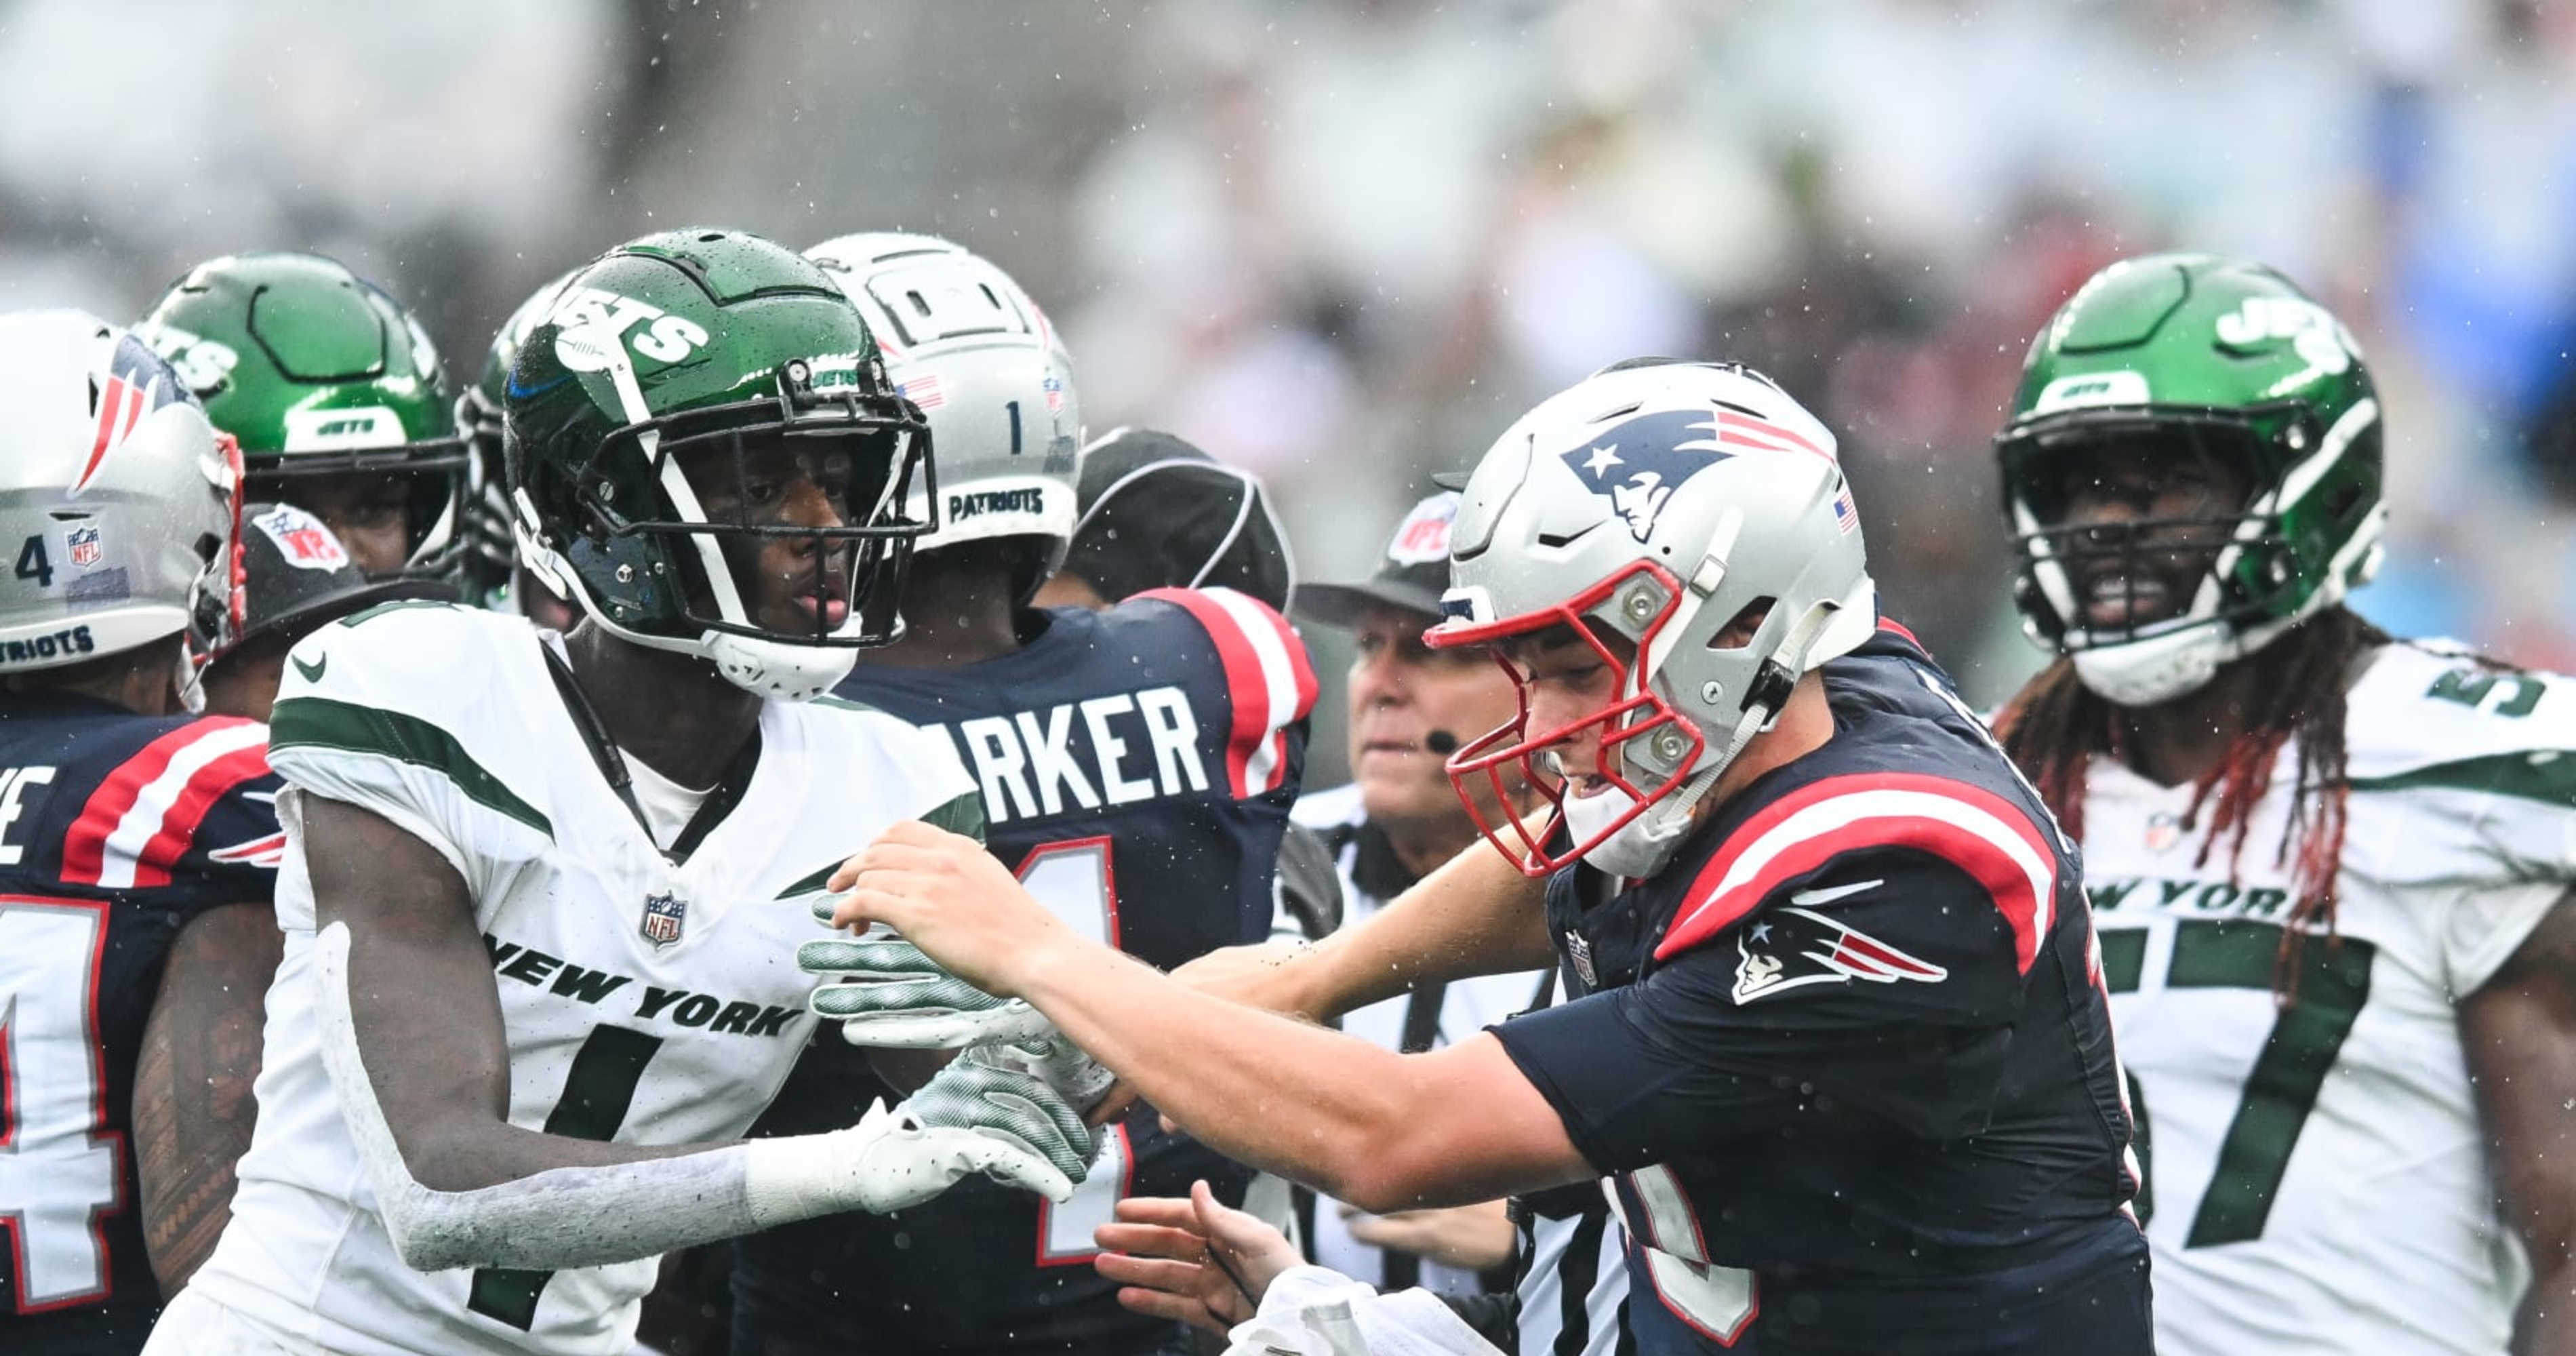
1843	1047
1136	768
138	846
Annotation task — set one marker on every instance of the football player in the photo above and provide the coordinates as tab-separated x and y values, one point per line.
138	848
2332	871
1135	765
1159	513
1842	1045
526	1004
336	396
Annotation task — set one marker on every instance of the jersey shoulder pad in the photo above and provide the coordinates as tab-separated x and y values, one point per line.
1799	847
425	712
2433	715
1334	808
1269	680
196	795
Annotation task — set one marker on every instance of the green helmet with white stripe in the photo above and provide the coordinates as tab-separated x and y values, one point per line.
2180	358
694	341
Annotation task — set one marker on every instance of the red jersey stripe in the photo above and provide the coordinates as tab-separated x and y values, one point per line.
85	843
187	811
1263	701
1985	836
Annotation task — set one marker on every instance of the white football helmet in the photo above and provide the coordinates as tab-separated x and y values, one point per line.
119	505
1661	500
990	373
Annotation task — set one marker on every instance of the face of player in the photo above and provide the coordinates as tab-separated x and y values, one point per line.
1565	679
1401	691
2157	515
367	510
787	583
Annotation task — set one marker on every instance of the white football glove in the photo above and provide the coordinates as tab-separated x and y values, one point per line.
976	1115
889	995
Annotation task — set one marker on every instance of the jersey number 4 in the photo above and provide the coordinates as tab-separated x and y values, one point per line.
60	1166
2282	1086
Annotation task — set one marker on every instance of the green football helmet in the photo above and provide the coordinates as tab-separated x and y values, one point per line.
688	340
2181	357
317	373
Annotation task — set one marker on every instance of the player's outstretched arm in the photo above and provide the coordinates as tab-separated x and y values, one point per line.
1475	915
193	1107
2520	1034
1357	1122
413	1037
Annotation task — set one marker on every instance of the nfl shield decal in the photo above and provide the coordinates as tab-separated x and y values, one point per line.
1578	949
82	544
663	916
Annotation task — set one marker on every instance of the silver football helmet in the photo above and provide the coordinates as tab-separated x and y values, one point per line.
119	503
1660	500
990	373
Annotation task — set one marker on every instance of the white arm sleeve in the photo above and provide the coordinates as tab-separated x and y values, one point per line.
593	1216
566	1217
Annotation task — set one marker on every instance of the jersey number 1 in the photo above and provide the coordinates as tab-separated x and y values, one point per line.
59	1164
598	1090
1077	882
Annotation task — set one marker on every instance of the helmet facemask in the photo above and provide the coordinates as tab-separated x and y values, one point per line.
2305	529
2176	358
654	565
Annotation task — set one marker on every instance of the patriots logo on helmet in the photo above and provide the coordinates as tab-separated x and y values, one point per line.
1639	463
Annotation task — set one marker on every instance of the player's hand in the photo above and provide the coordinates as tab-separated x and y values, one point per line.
1469	1237
1195	1260
955	901
888	995
975	1116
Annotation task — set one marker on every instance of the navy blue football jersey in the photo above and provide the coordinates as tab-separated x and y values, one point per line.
115	830
1136	767
1848	1057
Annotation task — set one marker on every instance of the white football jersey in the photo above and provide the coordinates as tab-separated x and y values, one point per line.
644	1002
2316	1176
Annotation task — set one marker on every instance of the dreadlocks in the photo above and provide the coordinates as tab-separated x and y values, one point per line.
2055	726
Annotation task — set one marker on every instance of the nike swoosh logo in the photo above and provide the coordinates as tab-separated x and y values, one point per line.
312	672
1808	899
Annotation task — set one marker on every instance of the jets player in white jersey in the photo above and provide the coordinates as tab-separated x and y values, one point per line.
541	888
2330	871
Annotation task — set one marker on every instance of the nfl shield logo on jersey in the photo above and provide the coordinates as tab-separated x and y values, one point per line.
1578	949
83	544
663	915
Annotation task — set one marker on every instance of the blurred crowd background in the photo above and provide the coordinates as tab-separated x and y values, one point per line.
1345	242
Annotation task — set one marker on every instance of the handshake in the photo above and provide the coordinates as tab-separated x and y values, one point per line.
1010	1106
